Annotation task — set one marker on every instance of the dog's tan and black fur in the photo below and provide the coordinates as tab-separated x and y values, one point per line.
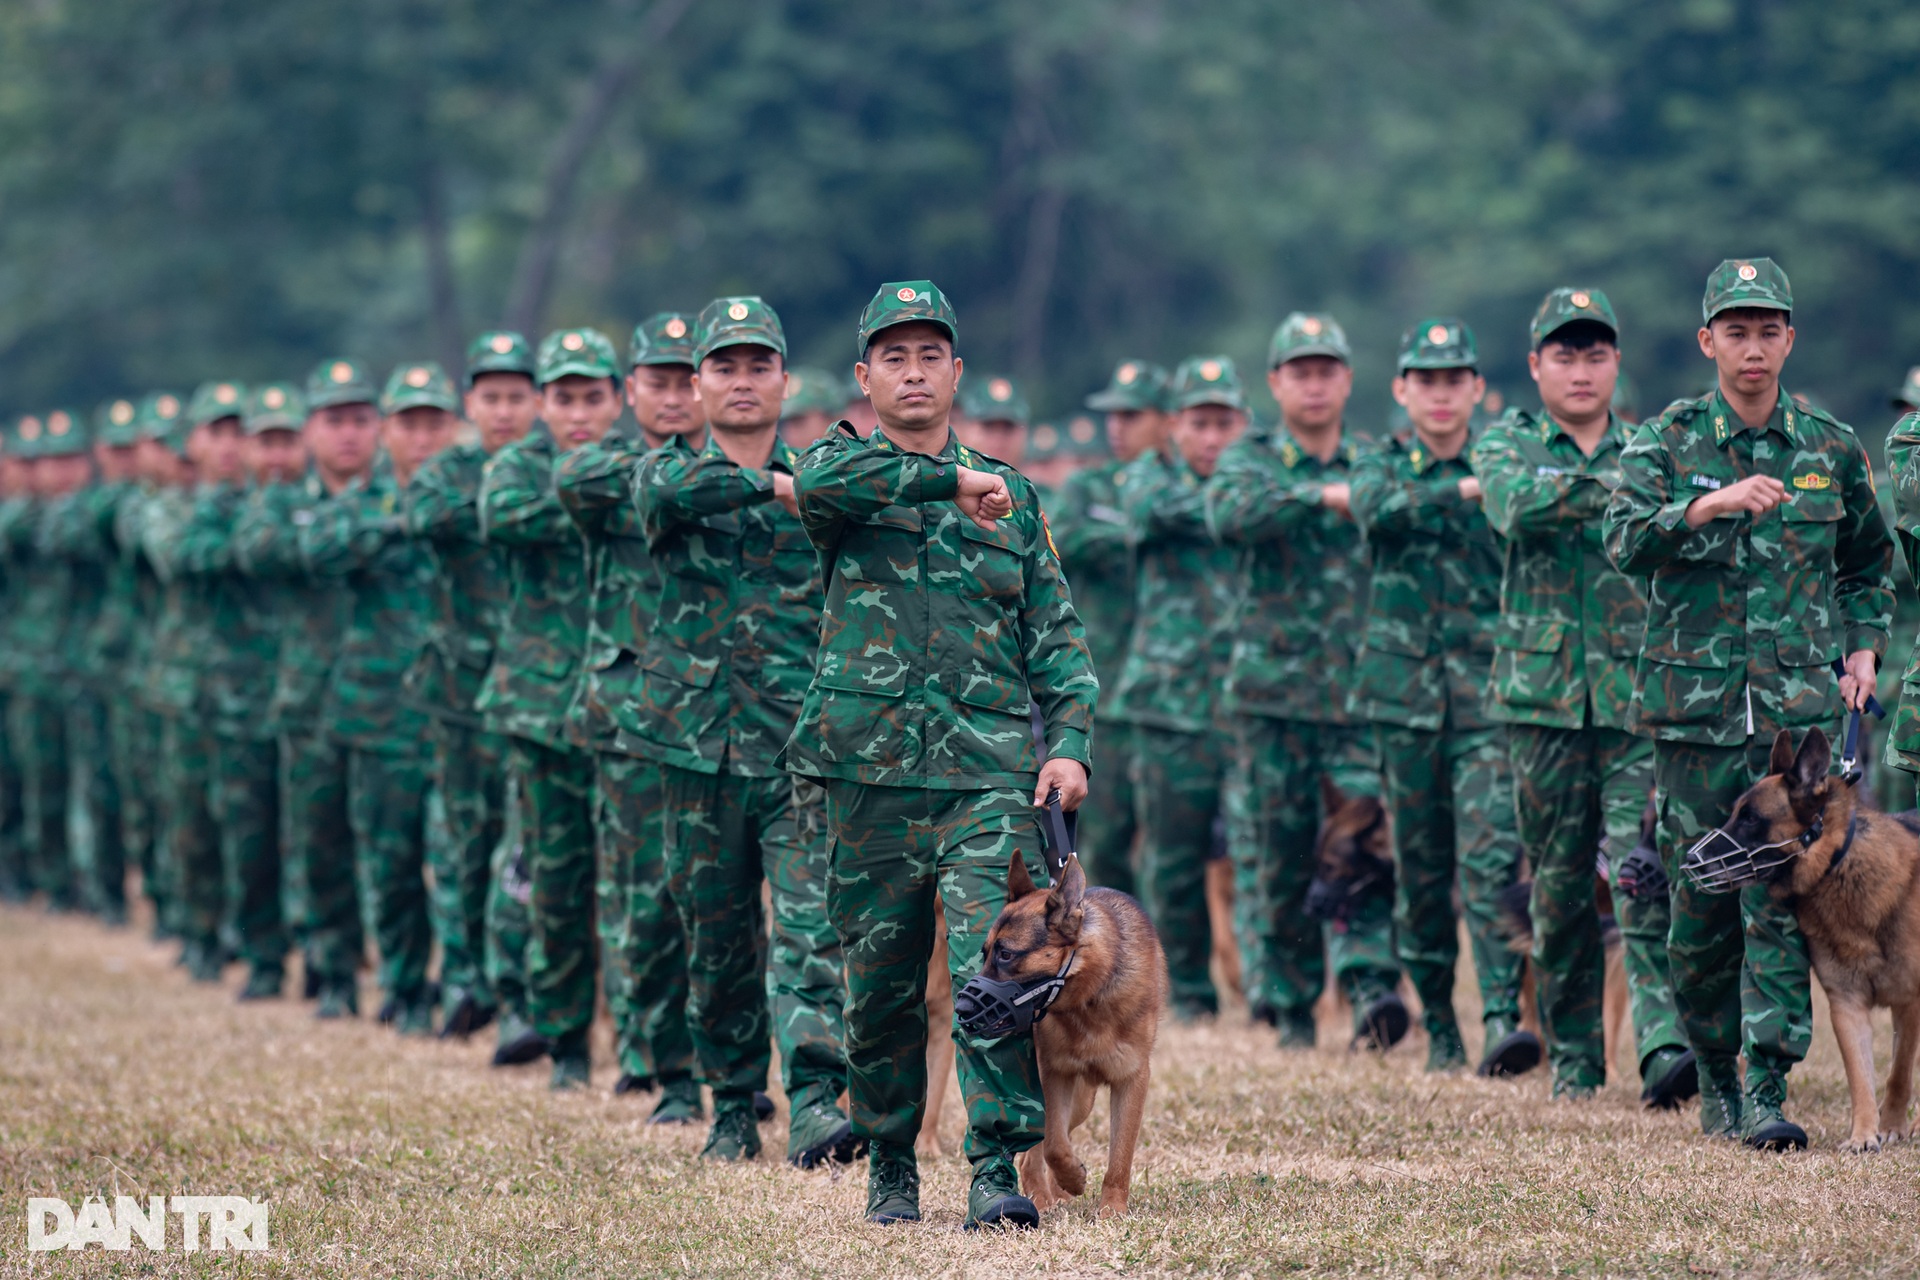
1856	892
1099	1030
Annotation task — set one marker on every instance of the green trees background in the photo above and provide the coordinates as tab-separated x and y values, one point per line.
194	188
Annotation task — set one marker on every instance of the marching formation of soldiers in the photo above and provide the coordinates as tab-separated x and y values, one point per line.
703	685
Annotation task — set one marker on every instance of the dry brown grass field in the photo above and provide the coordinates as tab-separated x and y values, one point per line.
392	1158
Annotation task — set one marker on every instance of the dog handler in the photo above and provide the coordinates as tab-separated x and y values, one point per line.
946	617
1755	522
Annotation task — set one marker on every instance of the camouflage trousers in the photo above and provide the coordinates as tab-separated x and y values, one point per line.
895	856
387	809
135	735
1449	797
1178	779
1573	787
14	885
642	948
557	789
316	845
724	834
1739	960
37	725
195	885
246	808
466	817
98	840
1108	824
1273	819
509	895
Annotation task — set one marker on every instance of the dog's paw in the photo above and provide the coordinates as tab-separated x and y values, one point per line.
1113	1205
1070	1173
1863	1146
1887	1137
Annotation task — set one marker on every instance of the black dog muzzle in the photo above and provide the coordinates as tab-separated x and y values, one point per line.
1718	863
993	1007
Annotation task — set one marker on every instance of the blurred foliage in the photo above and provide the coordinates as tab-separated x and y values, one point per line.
236	187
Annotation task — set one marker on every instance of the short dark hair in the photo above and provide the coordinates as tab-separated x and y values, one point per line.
1580	335
1755	314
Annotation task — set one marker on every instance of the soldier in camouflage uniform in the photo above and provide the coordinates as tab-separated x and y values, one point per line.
1419	677
946	619
1896	740
813	402
643	954
1562	682
466	812
1754	521
728	660
359	536
16	505
1176	664
1091	531
993	419
1280	498
530	687
321	899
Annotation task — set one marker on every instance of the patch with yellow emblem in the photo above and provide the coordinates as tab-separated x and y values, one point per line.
1813	480
1047	529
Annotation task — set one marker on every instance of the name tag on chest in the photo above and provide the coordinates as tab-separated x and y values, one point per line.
1703	482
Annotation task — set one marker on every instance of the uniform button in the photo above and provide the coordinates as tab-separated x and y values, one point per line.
939	471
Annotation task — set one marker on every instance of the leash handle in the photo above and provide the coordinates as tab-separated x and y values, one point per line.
1059	836
1850	770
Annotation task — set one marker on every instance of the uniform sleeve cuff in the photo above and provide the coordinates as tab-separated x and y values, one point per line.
938	481
1859	638
1071	744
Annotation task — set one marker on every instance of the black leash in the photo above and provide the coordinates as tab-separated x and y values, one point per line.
1060	832
1850	770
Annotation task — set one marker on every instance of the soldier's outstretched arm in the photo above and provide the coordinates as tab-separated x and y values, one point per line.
841	479
442	501
1248	502
1388	507
1863	560
679	486
1086	531
1158	504
160	526
595	479
1519	500
266	541
205	543
347	533
1645	526
517	503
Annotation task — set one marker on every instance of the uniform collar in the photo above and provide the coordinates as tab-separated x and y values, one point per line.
1293	455
1422	458
1727	424
783	457
1614	436
951	451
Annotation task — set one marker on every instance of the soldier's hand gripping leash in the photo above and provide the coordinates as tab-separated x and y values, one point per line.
1720	863
990	1007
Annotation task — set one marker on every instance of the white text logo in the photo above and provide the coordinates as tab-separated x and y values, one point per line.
231	1222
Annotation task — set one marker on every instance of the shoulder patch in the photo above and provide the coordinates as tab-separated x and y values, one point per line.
1046	527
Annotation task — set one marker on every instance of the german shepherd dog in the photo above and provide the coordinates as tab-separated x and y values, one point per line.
1853	881
1099	1028
1353	860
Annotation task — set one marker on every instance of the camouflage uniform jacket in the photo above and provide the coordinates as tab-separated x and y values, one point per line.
544	634
1090	530
1183	600
1903	492
44	623
16	553
117	625
243	646
442	507
595	483
359	537
1570	623
1427	644
938	636
310	614
76	529
1302	578
731	653
1745	614
181	637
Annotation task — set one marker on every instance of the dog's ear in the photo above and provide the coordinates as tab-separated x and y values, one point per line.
1019	883
1331	796
1807	780
1781	761
1066	903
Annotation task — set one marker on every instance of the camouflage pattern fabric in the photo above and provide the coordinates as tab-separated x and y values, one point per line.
509	897
386	805
1449	800
197	883
1177	787
14	885
557	786
1090	530
323	899
466	818
245	805
37	733
15	529
40	631
724	834
895	856
119	638
1903	461
938	636
311	614
643	947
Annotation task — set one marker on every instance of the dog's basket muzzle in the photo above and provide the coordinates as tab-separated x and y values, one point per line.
1718	863
993	1007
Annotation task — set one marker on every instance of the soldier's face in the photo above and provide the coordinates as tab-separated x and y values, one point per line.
158	465
741	387
501	407
1203	432
342	437
56	476
1749	348
910	376
1131	432
999	438
116	461
1576	386
580	410
663	400
802	429
275	455
218	450
1439	402
414	435
1311	391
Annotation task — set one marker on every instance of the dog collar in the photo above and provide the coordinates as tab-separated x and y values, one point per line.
1853	825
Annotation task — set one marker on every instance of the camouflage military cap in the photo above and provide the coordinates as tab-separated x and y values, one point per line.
993	399
424	385
274	406
1438	343
737	322
1746	282
499	351
1045	441
571	353
903	302
117	423
1136	384
812	390
666	338
1565	306
1206	380
28	433
1308	333
1083	438
337	382
1908	396
157	413
213	401
64	433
